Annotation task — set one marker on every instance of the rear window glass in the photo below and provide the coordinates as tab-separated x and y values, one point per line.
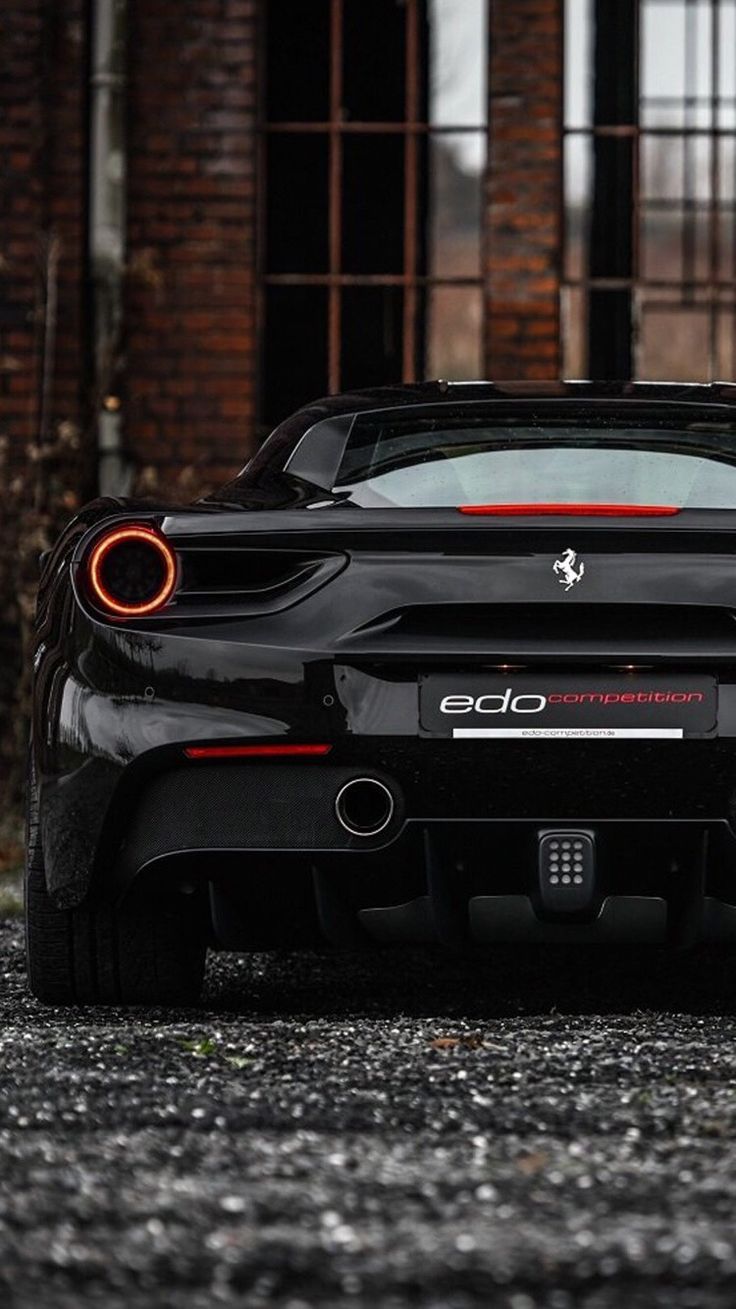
389	466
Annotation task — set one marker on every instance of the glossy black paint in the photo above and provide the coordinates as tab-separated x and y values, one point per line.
357	605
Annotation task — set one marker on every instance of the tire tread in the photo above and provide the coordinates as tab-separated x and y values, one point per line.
149	949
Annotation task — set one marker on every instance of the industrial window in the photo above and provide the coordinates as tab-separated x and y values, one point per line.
374	132
650	188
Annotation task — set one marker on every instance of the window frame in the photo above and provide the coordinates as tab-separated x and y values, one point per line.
711	292
415	282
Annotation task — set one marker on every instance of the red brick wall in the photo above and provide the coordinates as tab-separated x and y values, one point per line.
191	348
21	132
524	189
65	96
42	202
190	303
42	254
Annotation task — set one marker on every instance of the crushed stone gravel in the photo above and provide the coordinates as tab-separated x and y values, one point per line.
523	1131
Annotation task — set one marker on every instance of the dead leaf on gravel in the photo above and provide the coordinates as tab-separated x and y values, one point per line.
471	1041
529	1164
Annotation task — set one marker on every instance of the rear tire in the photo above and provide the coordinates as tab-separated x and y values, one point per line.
149	949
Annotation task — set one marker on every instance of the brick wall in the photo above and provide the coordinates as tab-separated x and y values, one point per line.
21	134
190	302
43	376
191	351
42	200
524	189
64	94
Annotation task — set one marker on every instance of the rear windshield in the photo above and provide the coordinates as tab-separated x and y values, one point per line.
393	465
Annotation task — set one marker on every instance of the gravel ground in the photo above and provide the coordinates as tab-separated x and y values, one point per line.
384	1130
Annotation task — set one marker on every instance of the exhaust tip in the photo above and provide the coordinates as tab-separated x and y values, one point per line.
364	806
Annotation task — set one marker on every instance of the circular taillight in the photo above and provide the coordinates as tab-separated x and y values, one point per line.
132	571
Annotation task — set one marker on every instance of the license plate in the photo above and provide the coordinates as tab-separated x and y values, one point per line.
529	705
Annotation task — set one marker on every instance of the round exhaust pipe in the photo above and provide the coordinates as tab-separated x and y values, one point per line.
364	806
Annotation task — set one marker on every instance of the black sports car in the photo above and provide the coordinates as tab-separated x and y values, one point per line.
445	663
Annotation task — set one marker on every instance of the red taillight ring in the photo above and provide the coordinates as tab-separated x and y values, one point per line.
107	543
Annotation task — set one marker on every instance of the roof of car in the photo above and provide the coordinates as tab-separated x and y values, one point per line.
437	392
278	451
442	392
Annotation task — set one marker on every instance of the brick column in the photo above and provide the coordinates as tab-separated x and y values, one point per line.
524	190
42	202
189	397
21	194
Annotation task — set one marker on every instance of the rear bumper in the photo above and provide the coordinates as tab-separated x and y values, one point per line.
105	822
455	863
454	882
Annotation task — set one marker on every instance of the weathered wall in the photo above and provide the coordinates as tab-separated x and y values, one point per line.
43	373
524	189
190	342
42	204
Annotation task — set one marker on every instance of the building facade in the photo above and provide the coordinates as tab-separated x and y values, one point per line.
215	210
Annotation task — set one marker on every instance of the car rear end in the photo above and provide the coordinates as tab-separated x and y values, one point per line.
433	702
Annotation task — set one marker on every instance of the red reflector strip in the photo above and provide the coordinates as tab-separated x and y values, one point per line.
572	510
253	751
